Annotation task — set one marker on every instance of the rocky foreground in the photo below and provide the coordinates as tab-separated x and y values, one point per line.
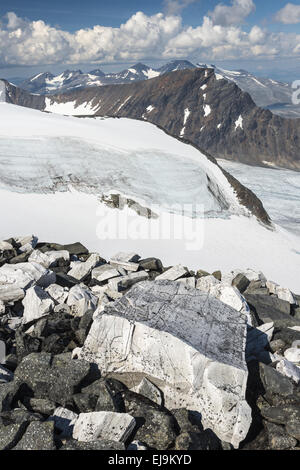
128	354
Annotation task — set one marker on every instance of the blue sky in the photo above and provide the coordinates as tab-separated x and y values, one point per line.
247	34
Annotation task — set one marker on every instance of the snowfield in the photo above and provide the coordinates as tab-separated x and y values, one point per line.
53	169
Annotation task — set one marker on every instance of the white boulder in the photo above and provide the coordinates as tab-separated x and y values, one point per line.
103	425
81	300
24	275
187	343
288	369
172	274
58	293
105	272
64	421
81	270
37	304
293	355
126	261
282	292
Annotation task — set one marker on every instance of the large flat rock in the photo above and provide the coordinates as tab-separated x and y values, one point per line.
189	344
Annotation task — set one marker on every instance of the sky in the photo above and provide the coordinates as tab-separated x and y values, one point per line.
262	36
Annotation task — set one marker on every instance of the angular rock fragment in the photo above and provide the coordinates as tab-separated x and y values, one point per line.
188	281
11	293
5	375
124	282
38	436
10	435
58	293
64	421
274	382
149	390
24	275
257	340
189	344
103	425
128	261
37	304
293	355
102	444
281	292
81	270
289	369
81	300
173	274
49	258
278	438
104	273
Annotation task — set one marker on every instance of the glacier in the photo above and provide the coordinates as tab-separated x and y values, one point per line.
54	168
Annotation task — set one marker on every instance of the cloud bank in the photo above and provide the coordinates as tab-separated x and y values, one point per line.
161	36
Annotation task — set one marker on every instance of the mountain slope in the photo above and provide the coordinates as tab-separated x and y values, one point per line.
265	92
195	105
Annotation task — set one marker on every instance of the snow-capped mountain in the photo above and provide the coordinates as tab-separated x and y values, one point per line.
47	83
55	168
265	92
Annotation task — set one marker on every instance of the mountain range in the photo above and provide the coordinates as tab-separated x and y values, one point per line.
265	92
197	106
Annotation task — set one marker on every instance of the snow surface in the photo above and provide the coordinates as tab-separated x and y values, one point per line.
278	189
239	123
207	110
39	149
69	108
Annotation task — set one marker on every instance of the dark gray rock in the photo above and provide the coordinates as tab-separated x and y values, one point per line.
72	444
157	428
278	438
40	405
205	440
270	309
274	382
10	435
19	416
241	282
38	436
57	378
151	264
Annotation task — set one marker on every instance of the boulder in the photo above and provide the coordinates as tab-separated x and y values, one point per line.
37	304
227	294
81	300
104	273
101	445
58	293
64	421
149	390
103	425
24	275
187	343
10	293
38	436
128	261
173	274
49	258
5	375
289	369
293	355
124	282
281	292
80	271
10	435
274	382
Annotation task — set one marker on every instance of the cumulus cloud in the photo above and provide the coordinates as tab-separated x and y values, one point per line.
142	37
234	14
290	14
174	7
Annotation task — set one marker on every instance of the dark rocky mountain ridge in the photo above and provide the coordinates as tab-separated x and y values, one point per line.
215	115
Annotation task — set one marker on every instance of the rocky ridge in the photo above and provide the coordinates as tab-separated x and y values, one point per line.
70	381
197	106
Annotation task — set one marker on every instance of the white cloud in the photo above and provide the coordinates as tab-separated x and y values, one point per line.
290	14
232	15
174	7
142	37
